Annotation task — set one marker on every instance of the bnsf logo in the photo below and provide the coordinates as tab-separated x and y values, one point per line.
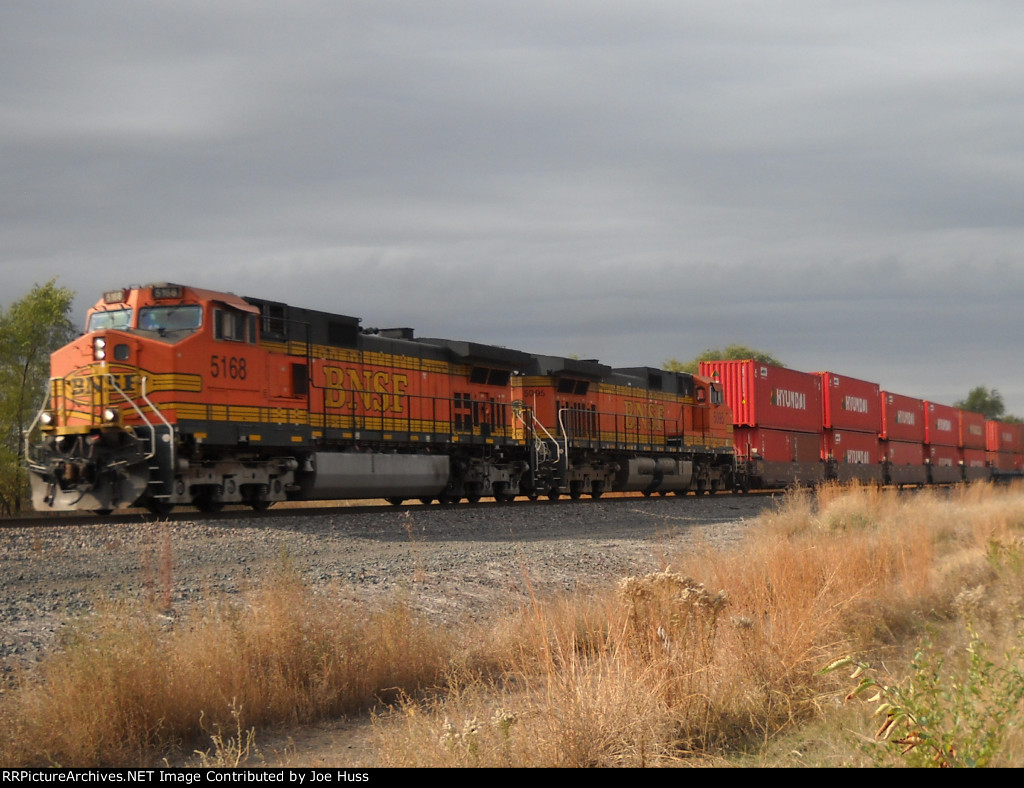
783	398
855	404
375	390
82	385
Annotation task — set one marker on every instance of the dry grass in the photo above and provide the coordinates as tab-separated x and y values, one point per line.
131	685
722	654
716	657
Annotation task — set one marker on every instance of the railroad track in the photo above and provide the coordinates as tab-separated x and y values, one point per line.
299	508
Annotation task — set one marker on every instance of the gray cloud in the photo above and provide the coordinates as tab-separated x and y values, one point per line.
840	185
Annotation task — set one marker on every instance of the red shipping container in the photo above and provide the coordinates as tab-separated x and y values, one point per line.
902	418
975	465
972	430
944	456
850	404
975	458
1001	460
855	448
762	395
1004	437
777	445
900	453
941	425
944	465
906	462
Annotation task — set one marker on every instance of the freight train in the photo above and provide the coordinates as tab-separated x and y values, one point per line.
177	395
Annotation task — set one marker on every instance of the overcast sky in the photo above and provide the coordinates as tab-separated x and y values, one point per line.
840	184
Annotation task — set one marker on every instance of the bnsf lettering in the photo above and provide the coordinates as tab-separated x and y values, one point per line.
855	404
644	416
943	425
783	398
646	409
375	390
905	417
81	388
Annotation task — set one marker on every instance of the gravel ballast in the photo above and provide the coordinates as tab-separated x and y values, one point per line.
449	562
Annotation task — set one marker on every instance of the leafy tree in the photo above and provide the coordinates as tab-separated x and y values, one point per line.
987	402
30	329
732	352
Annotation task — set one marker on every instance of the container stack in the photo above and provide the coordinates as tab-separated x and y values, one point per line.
1004	446
777	419
902	438
973	442
851	420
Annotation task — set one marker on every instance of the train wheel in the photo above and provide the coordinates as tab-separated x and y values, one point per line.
103	512
576	490
597	489
158	507
426	501
554	494
205	502
394	501
260	506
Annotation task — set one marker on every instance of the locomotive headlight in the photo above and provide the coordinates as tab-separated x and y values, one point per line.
46	419
99	348
110	415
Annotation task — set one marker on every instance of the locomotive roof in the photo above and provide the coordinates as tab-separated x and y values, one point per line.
587	369
115	298
476	353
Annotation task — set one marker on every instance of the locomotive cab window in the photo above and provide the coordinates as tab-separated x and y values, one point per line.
170	318
233	326
116	318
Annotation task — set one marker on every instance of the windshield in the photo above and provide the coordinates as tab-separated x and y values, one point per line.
170	318
117	318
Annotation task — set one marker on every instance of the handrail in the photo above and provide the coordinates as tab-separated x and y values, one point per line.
517	411
27	434
138	410
170	429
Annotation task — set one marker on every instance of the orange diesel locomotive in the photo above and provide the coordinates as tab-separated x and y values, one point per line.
177	395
